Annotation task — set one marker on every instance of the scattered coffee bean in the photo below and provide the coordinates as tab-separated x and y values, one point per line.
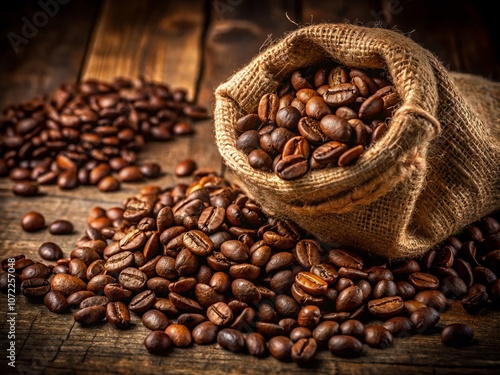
61	227
33	221
457	335
158	342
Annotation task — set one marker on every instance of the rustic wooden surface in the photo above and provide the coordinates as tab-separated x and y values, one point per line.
196	45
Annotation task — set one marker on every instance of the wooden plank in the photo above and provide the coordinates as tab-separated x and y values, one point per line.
460	38
237	32
160	41
365	13
37	59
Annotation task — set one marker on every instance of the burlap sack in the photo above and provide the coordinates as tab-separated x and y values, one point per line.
435	171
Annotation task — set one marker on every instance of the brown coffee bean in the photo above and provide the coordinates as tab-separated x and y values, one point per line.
432	298
158	342
180	335
67	284
341	94
422	280
198	242
345	346
155	320
231	339
268	108
303	350
385	307
25	188
117	315
56	302
378	337
352	327
349	299
205	333
220	314
399	326
280	347
91	315
345	258
50	251
245	291
311	283
309	316
256	344
424	319
33	221
457	335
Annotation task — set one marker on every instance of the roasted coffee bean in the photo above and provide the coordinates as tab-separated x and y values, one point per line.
457	335
345	258
99	282
256	344
56	302
235	250
158	342
299	333
303	350
94	301
245	291
352	327
309	316
117	315
75	299
424	319
405	290
198	242
91	315
378	337
37	270
132	279
311	283
142	302
399	326
384	288
325	271
307	253
155	320
35	288
474	302
349	299
220	314
184	303
324	331
67	284
432	298
345	346
423	280
205	333
231	339
280	347
385	307
25	188
50	251
33	221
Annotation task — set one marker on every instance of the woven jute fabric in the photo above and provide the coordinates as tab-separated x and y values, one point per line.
435	171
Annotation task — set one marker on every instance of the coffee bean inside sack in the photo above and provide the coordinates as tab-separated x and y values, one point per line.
320	117
202	263
91	133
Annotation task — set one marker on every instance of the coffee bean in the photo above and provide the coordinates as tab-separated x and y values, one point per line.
432	298
256	344
50	251
158	342
280	347
37	270
133	279
118	315
75	299
205	333
352	327
349	299
220	314
91	315
303	350
378	337
61	227
35	288
155	320
231	339
385	307
423	280
25	188
309	316
424	319
67	284
457	335
33	221
345	346
399	326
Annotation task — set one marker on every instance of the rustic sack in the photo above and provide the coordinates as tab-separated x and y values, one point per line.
435	171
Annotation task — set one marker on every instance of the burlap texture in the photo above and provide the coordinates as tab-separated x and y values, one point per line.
435	171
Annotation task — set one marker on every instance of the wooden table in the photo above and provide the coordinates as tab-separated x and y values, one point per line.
196	45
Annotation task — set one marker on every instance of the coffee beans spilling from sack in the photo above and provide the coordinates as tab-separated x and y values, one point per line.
318	118
90	133
202	264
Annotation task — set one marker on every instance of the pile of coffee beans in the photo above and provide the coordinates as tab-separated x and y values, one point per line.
90	133
320	117
202	264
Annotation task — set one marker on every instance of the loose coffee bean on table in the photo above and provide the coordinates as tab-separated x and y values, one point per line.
91	132
202	263
317	120
33	221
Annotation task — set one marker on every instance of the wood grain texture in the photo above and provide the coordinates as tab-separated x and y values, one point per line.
48	55
196	45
